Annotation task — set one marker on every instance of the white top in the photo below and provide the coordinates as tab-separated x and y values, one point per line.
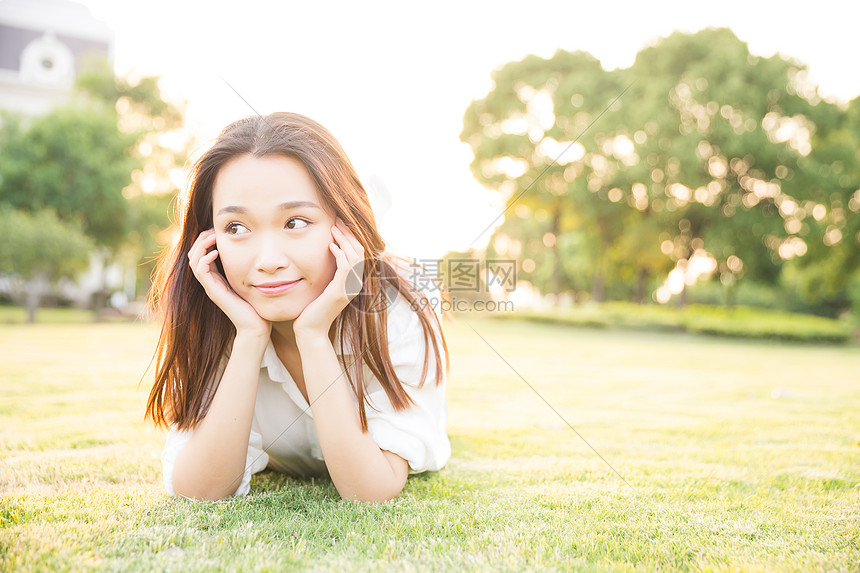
283	435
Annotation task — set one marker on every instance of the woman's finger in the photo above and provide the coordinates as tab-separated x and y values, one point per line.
343	241
197	255
205	240
202	262
205	271
355	249
207	260
353	272
339	255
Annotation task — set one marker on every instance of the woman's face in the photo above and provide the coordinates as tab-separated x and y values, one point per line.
271	229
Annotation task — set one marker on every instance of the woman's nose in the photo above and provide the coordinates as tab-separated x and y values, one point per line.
272	255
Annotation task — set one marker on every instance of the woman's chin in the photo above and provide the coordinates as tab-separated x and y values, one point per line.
277	315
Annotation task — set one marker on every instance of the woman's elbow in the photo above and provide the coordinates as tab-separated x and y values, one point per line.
196	491
372	498
200	494
375	494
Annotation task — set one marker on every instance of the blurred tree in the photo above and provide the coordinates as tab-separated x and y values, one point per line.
742	151
828	274
73	160
116	148
715	139
162	147
38	249
531	140
712	153
150	232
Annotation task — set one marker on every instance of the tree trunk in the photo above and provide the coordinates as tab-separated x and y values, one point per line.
641	285
101	299
34	296
731	296
682	298
556	252
597	287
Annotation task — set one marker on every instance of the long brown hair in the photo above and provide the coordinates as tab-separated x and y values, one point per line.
196	335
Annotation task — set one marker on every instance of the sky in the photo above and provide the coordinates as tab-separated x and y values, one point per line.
392	80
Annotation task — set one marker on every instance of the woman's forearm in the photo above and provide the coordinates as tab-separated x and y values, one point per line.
212	463
358	468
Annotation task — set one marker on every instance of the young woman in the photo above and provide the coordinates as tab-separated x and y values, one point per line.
292	339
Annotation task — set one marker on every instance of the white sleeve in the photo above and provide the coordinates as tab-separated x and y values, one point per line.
417	434
256	459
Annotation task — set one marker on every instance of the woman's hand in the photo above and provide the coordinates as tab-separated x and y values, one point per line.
241	314
316	319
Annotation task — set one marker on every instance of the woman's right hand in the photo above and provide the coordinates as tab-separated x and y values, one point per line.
241	314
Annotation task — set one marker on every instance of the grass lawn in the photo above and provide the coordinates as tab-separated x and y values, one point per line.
18	315
740	455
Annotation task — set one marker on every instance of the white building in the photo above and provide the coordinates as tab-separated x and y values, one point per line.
42	45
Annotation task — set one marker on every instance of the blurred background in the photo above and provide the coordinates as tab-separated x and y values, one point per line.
667	165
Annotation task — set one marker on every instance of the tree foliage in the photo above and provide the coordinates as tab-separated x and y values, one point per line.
39	250
72	160
707	154
107	161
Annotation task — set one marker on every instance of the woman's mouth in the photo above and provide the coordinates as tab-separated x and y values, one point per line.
276	287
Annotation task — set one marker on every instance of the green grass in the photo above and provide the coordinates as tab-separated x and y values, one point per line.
18	315
740	322
724	476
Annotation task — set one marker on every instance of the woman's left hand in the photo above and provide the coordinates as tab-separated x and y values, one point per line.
316	319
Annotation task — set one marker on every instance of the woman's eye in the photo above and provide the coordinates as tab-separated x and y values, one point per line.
235	229
291	223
